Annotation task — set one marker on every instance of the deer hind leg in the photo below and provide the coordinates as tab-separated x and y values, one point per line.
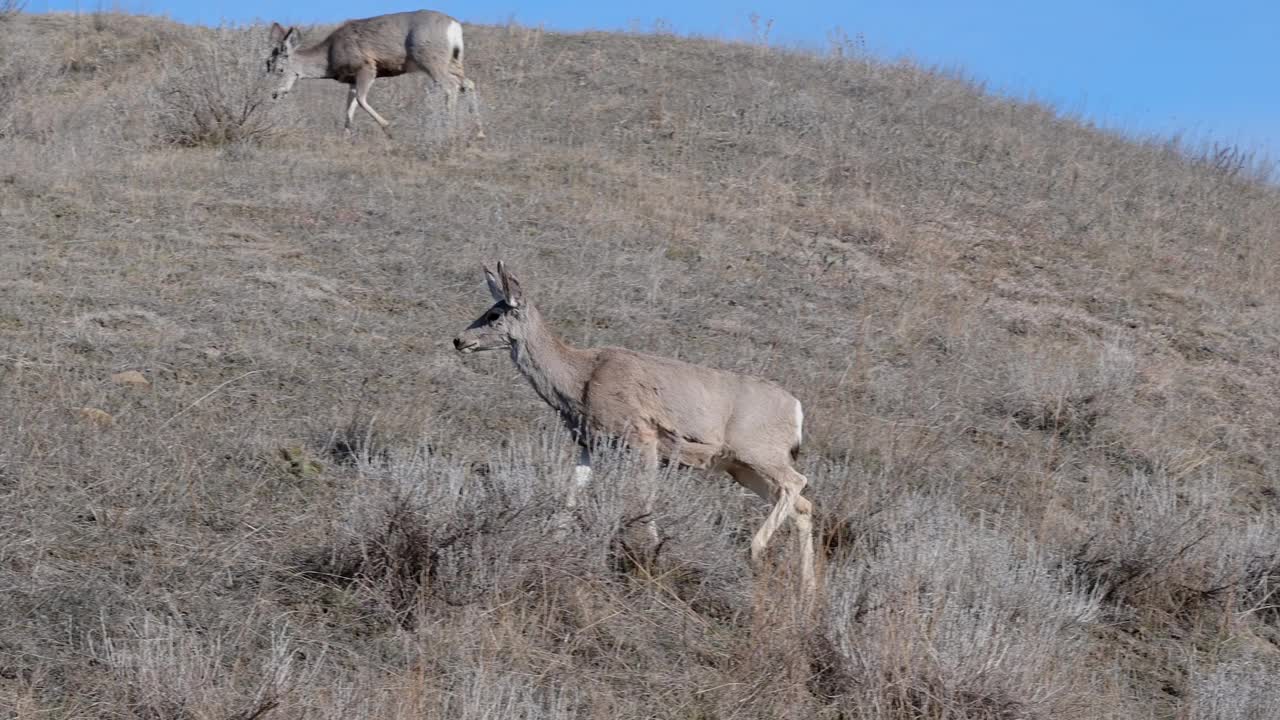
781	486
451	91
802	516
467	89
444	77
473	106
364	81
770	489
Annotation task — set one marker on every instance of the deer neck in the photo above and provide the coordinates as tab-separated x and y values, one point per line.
556	370
312	62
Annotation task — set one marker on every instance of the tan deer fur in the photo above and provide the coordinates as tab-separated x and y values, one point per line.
693	415
360	51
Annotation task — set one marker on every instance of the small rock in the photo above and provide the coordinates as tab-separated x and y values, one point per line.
97	416
130	377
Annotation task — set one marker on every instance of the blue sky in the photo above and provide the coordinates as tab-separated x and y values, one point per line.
1210	71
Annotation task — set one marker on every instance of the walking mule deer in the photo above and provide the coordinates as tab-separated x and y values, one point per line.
689	414
384	46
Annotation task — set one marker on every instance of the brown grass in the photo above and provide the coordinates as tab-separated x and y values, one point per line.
216	93
1037	360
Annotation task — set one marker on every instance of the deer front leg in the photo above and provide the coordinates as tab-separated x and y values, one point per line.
649	453
351	108
364	81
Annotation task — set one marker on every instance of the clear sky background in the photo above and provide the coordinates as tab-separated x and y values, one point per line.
1206	70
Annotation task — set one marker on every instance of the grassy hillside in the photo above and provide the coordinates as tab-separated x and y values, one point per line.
244	475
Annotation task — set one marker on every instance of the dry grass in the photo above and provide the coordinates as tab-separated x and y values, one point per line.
1037	362
215	93
942	617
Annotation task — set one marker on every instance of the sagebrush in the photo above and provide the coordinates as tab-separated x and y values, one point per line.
215	92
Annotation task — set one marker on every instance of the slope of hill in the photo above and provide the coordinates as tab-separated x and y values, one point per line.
244	473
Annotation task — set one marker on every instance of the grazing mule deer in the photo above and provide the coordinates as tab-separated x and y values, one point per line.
384	46
689	414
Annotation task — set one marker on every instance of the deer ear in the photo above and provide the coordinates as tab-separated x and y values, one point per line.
291	37
510	285
495	287
277	32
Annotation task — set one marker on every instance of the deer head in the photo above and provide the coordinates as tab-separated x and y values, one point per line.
509	321
281	61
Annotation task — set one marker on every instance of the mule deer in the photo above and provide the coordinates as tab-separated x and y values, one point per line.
689	414
384	46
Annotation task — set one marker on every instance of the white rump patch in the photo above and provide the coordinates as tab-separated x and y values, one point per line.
454	35
799	423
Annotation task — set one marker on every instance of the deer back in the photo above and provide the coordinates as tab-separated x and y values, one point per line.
725	412
389	42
